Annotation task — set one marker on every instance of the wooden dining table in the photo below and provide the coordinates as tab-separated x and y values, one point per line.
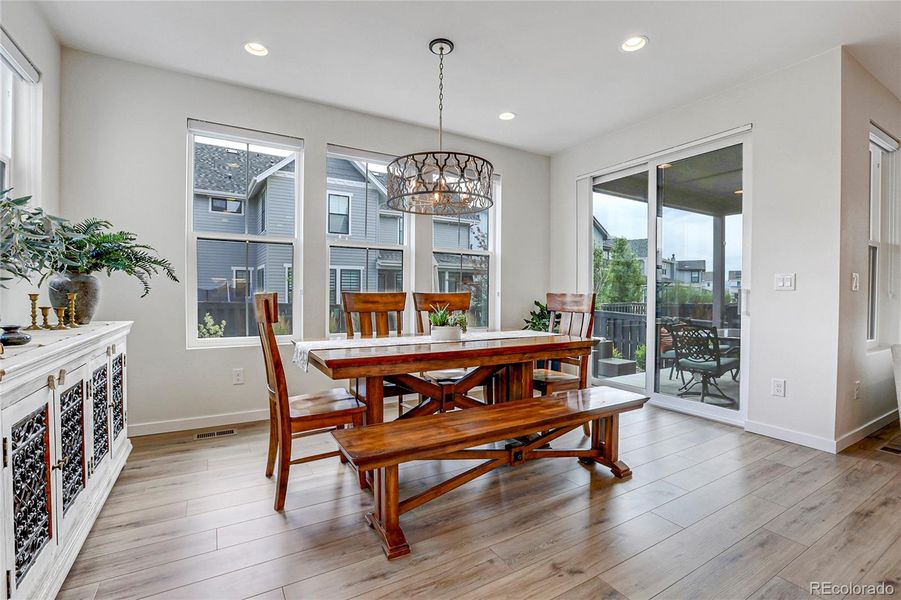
510	360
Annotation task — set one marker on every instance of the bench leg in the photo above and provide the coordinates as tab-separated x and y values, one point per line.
611	447
386	518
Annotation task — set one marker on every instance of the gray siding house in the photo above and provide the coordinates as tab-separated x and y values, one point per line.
242	192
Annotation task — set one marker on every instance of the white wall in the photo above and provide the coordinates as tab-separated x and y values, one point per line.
796	203
40	178
864	99
124	159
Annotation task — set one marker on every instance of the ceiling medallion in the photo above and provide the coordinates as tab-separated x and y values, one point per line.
440	182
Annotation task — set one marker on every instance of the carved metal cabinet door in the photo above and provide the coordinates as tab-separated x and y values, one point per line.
118	392
28	501
70	467
99	442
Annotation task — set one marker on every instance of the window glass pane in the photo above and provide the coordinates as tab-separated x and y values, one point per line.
357	202
243	188
228	274
872	290
361	270
462	273
466	232
339	224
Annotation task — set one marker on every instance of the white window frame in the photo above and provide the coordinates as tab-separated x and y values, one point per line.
881	148
251	137
227	199
346	242
493	254
329	213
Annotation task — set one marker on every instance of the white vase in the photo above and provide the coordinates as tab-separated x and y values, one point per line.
447	334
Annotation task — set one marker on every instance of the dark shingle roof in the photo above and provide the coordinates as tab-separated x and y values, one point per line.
225	170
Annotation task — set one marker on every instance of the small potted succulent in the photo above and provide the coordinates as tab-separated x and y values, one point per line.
446	327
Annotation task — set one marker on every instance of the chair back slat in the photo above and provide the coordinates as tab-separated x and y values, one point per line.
378	304
571	314
266	305
424	302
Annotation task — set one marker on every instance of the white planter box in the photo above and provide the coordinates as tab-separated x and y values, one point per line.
447	334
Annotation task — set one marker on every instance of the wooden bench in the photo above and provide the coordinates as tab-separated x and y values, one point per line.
457	436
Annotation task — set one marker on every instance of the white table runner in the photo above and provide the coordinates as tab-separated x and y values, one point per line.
302	349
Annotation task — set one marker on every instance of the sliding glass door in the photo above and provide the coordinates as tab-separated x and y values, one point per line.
670	289
619	268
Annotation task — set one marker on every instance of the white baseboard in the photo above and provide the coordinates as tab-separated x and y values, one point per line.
852	437
152	427
790	435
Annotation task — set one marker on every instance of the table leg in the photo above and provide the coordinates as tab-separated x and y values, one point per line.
386	518
611	448
375	400
519	382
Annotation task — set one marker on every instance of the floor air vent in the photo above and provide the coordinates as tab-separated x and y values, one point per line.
892	447
206	435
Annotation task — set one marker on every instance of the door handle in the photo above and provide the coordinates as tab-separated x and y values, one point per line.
746	302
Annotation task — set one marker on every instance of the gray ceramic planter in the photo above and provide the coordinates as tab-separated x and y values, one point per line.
86	286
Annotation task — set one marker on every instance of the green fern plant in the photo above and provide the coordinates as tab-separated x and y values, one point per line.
92	246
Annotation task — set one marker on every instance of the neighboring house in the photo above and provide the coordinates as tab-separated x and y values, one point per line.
689	271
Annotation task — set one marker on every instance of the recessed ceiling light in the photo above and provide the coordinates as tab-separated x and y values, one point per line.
664	166
634	43
739	192
256	48
506	116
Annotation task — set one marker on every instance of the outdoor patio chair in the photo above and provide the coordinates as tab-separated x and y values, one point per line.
698	352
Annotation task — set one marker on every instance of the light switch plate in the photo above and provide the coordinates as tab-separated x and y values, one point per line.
784	282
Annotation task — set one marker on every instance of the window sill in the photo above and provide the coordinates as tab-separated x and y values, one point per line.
242	342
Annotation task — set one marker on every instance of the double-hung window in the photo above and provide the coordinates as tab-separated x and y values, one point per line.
883	216
368	249
243	204
465	259
19	133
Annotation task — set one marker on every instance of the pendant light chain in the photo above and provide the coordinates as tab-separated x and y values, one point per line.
440	99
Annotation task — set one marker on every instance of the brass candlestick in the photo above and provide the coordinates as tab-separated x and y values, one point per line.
34	312
45	313
72	321
61	318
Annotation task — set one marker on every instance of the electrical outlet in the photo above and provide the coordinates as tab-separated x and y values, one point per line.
237	376
778	387
857	390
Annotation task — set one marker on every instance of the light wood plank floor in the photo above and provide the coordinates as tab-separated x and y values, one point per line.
711	512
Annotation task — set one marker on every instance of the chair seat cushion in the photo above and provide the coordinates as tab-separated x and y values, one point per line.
551	376
668	354
445	375
727	363
336	400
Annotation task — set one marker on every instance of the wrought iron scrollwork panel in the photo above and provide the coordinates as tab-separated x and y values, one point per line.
72	442
117	393
30	463
100	400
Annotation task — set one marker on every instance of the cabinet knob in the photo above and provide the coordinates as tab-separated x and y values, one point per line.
60	464
62	377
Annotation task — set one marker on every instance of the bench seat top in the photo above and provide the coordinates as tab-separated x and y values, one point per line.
418	438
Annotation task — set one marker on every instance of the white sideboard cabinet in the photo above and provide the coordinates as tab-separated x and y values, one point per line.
64	430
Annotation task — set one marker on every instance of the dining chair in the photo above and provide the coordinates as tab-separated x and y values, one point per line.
374	313
699	353
290	416
570	314
423	303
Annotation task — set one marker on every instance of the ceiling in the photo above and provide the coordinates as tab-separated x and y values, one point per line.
557	65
